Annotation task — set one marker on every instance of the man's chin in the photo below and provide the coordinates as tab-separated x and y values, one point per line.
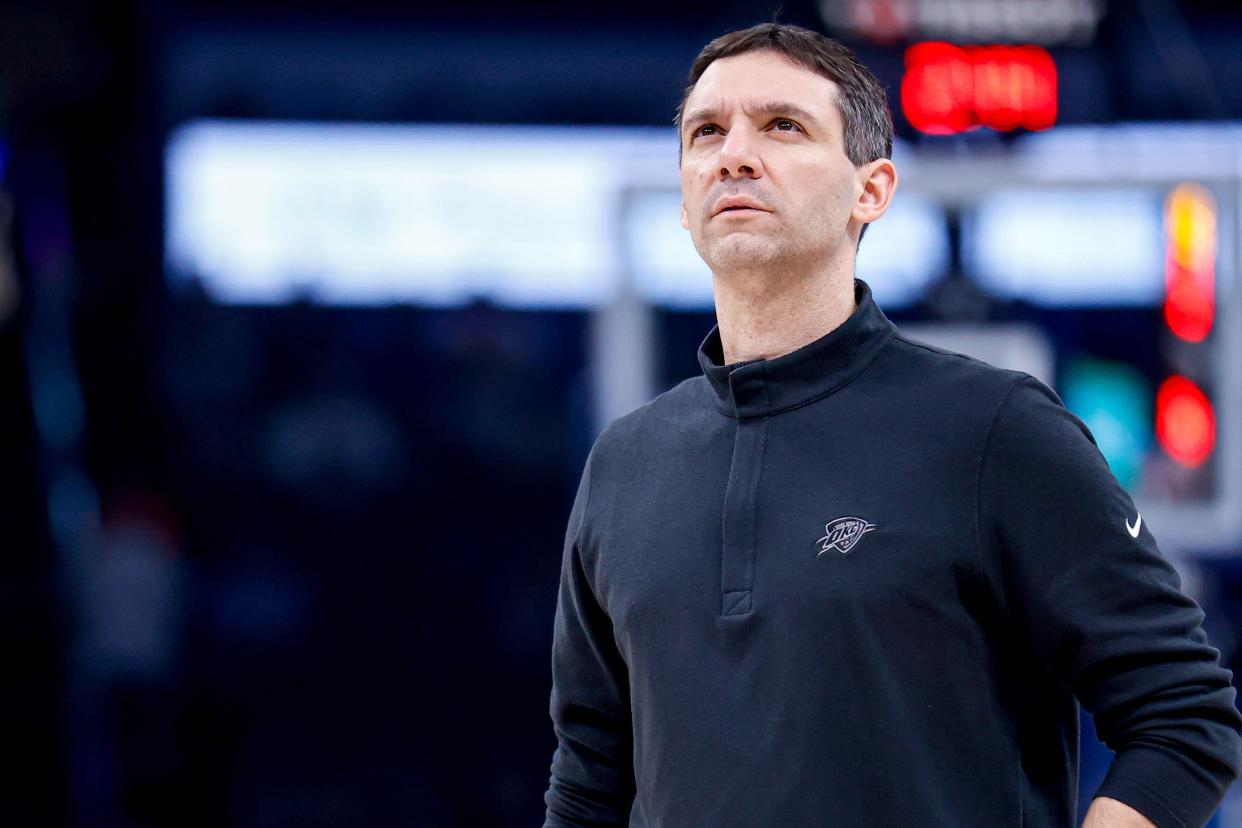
741	251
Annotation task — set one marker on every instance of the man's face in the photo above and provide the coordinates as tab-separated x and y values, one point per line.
764	174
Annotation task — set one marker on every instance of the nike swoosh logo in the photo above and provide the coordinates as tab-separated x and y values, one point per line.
1134	530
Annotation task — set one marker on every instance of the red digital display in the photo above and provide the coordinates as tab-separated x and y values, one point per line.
949	89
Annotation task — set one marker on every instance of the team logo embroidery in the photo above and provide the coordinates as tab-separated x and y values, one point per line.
843	534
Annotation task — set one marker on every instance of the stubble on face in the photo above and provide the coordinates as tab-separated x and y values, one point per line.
792	234
736	247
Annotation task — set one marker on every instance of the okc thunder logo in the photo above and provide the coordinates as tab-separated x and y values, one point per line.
843	533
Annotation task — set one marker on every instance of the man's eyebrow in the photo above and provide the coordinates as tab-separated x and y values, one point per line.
703	113
783	108
763	108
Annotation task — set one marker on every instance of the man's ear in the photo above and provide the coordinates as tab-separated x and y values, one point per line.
685	221
879	182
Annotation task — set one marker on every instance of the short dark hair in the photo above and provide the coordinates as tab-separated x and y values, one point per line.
866	120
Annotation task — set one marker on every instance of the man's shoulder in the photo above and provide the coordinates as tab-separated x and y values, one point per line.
658	419
668	407
954	393
927	367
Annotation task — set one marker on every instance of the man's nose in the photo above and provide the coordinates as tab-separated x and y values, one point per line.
739	157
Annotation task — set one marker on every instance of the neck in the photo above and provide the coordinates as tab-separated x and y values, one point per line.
766	314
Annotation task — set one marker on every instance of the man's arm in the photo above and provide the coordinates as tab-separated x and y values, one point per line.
1109	813
592	780
1104	612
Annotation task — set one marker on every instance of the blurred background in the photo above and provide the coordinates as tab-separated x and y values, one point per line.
310	313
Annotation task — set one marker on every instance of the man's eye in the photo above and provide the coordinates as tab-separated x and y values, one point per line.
706	129
786	125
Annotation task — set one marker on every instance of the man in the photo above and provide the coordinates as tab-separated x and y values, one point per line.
844	579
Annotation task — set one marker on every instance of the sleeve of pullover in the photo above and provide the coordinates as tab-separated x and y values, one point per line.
1103	610
592	780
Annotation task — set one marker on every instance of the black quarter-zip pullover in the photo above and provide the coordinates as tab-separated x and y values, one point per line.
865	584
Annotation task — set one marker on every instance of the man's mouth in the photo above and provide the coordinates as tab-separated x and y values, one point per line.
739	207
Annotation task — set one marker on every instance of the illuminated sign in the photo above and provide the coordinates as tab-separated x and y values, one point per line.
1061	246
949	89
1010	21
441	215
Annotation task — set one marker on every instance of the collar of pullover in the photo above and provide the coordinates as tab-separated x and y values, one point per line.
760	387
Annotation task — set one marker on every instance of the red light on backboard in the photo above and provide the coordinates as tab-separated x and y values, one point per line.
1190	261
1185	422
949	89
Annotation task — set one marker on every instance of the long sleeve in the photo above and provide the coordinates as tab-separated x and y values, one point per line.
592	781
1103	611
